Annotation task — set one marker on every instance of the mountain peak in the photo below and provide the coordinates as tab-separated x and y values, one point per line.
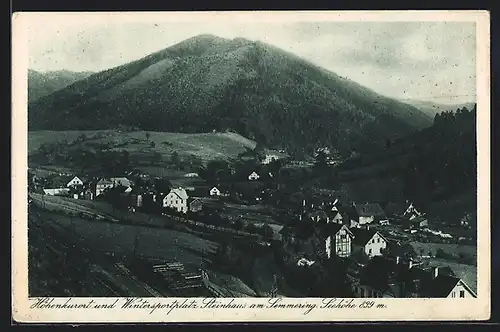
206	36
208	82
198	44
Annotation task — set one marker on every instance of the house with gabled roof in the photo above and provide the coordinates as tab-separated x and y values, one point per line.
253	176
445	286
440	282
386	277
370	242
195	204
75	182
337	240
367	213
214	191
335	216
176	199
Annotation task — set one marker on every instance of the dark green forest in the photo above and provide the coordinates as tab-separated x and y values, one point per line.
432	165
208	83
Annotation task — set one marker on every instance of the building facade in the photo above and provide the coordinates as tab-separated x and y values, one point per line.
369	242
214	191
338	241
177	199
75	182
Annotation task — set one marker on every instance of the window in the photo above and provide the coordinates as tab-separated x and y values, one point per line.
378	240
362	292
343	237
462	293
370	251
453	294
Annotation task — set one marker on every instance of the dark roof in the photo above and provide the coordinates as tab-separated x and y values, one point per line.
332	228
104	181
362	236
206	200
446	270
370	209
440	286
382	272
194	199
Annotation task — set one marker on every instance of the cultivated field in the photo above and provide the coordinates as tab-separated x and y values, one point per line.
248	213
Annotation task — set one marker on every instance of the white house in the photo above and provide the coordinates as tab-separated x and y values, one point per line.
56	191
74	182
102	185
177	199
369	242
214	191
253	176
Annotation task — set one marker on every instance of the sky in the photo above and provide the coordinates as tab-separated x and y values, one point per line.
433	61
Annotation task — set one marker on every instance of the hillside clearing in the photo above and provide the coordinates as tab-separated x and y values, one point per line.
206	146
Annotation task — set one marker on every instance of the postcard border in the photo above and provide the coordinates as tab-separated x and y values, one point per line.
400	309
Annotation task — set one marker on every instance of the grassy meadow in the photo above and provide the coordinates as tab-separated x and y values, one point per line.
206	146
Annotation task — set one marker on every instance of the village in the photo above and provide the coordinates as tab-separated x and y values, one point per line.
298	241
